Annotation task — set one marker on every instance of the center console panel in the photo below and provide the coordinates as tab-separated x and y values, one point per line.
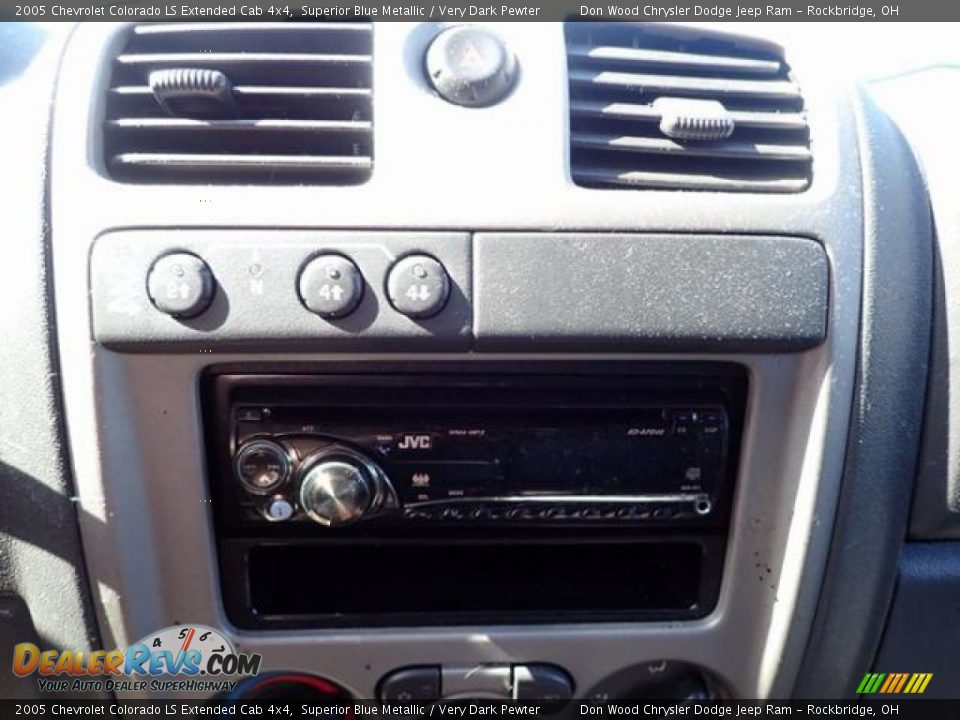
451	498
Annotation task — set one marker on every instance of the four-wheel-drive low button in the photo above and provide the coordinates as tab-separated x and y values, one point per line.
418	286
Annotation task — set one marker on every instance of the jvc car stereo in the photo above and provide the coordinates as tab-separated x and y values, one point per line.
589	495
346	451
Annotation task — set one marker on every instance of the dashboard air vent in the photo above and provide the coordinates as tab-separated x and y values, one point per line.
242	102
655	108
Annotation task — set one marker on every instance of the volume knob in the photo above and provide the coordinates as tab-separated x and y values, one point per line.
337	487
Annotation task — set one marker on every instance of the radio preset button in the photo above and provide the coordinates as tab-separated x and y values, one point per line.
453	513
523	512
262	466
331	286
479	512
418	286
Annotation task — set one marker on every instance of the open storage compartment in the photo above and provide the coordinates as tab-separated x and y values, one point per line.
446	581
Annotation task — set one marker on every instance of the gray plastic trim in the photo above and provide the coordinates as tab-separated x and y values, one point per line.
648	292
46	595
605	292
887	418
135	423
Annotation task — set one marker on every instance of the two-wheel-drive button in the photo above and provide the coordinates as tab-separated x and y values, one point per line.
331	286
418	286
180	285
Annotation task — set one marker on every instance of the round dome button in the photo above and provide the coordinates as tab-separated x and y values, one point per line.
470	66
418	286
331	286
180	285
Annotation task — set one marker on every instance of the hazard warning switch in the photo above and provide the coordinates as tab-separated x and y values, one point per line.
470	66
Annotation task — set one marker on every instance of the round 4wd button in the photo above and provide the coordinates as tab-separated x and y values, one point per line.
331	286
180	285
418	286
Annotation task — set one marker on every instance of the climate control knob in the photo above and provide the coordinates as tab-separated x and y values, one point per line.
338	486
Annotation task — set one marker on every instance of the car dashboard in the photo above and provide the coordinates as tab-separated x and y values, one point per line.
426	385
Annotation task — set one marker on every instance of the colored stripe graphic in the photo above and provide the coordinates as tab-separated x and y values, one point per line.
918	683
894	683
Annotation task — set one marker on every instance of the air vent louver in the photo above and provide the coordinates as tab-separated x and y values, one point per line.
242	103
653	108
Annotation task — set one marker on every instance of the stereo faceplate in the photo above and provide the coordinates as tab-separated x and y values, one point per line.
612	458
506	451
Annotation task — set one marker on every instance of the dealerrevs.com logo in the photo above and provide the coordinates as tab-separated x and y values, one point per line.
180	658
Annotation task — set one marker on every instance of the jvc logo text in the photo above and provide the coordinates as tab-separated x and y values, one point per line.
415	442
